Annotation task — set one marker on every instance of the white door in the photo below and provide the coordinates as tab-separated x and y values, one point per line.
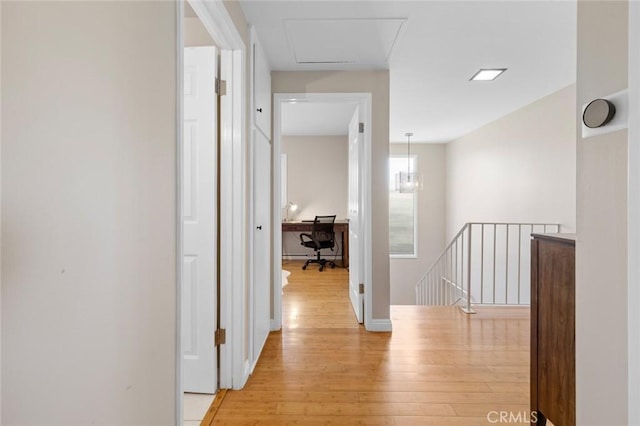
199	202
261	280
356	269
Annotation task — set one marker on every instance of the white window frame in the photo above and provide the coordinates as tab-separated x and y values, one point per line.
414	255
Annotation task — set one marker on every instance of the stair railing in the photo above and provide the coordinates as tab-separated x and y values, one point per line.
484	264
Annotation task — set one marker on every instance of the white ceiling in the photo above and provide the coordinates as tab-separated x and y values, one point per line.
440	46
343	41
316	118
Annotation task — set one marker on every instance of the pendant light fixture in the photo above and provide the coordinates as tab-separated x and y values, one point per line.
409	181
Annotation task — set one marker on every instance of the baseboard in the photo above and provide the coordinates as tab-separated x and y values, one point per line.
255	361
326	255
379	325
246	372
274	325
296	256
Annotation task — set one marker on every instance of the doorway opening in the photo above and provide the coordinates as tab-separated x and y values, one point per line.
347	174
200	201
210	166
315	182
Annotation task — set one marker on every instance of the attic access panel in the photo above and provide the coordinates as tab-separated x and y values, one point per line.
343	41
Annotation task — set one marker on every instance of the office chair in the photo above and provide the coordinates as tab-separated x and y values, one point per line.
322	236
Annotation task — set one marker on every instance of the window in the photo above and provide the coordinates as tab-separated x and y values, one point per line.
402	212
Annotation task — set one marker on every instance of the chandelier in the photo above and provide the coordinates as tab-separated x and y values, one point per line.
408	181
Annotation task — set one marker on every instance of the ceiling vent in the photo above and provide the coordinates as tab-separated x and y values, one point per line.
343	41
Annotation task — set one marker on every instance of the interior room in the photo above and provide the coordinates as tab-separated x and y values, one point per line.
315	176
314	182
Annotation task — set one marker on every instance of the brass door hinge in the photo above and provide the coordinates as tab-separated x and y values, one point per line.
220	337
221	87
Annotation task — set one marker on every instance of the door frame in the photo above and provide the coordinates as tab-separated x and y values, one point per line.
216	19
364	101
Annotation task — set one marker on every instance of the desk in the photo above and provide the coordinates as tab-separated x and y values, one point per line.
341	226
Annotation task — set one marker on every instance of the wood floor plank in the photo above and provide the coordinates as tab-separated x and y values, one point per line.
283	420
445	397
438	367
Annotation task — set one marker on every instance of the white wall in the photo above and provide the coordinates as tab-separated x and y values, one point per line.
195	34
88	213
405	273
520	168
317	181
601	246
317	175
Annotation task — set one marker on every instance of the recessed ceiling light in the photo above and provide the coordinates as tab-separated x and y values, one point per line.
487	74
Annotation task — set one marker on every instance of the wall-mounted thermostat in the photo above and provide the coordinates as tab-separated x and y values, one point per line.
605	115
598	113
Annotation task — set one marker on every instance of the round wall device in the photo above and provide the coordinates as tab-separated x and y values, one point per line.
598	113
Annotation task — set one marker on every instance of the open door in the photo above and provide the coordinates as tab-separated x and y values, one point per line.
199	221
356	267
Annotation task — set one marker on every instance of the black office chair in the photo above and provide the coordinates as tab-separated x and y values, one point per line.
322	236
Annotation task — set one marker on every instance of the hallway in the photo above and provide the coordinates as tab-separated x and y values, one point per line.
438	367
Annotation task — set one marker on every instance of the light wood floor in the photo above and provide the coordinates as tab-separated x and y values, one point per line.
438	367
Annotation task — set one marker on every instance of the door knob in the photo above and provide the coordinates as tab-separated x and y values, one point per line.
259	228
259	110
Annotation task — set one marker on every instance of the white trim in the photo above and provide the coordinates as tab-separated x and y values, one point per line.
403	256
364	100
216	19
276	172
284	193
232	227
633	212
246	368
226	225
178	191
367	226
380	325
238	213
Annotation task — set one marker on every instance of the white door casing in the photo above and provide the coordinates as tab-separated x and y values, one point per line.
233	207
364	101
199	209
356	268
261	280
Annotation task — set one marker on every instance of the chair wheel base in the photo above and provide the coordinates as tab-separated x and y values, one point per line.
322	262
